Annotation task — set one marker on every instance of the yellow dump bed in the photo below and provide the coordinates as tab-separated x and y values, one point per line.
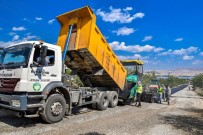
88	52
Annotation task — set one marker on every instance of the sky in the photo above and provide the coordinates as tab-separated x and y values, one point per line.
165	34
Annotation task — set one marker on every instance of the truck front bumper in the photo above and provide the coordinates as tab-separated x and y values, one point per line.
7	102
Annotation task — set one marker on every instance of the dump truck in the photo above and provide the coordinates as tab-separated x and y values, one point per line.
33	77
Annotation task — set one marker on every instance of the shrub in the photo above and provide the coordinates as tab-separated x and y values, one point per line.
197	81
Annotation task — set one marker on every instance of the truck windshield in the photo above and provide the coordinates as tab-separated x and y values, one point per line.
136	69
15	56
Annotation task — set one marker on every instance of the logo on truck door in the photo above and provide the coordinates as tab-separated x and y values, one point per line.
36	86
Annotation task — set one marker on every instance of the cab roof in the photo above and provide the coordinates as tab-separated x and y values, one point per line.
32	42
131	62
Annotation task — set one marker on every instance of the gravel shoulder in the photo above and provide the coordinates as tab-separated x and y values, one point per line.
184	116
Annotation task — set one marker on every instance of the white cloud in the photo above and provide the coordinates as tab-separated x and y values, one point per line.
25	19
147	38
187	57
132	48
166	53
158	49
119	15
135	56
124	31
51	21
1	28
4	44
197	62
192	49
27	34
128	9
201	53
38	18
29	37
138	15
178	39
181	51
15	37
22	28
11	33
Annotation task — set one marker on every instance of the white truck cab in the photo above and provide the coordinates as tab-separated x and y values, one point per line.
21	76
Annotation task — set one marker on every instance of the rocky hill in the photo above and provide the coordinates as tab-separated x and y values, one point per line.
179	72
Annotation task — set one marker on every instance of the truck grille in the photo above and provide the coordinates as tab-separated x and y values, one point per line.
7	84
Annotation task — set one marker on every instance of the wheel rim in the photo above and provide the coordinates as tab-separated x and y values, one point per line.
152	100
115	99
56	108
105	101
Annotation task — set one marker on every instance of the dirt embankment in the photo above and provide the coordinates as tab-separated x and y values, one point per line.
199	91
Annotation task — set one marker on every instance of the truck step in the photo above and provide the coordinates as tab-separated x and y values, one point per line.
87	95
34	105
89	102
35	96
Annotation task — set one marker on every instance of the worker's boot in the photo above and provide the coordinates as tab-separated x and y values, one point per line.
139	105
135	103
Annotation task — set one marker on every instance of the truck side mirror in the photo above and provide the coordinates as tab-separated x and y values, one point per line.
43	54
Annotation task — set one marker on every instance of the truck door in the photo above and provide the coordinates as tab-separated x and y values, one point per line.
40	76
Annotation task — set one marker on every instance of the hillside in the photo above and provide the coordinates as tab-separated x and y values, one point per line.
179	72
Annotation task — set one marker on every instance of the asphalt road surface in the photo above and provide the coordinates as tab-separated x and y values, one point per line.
183	117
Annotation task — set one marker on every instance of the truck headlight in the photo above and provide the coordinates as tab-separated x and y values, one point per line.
15	103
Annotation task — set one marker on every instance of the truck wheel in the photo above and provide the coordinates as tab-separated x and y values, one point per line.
55	108
151	99
113	99
94	105
126	101
103	102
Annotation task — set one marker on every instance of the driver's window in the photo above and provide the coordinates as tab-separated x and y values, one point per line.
140	69
50	58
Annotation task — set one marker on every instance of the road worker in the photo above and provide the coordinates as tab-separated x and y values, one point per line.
160	91
168	94
139	92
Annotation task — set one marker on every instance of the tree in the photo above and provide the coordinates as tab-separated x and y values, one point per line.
198	81
173	81
148	77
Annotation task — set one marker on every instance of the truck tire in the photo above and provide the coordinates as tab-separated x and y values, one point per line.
94	105
113	99
103	101
126	101
55	108
151	99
